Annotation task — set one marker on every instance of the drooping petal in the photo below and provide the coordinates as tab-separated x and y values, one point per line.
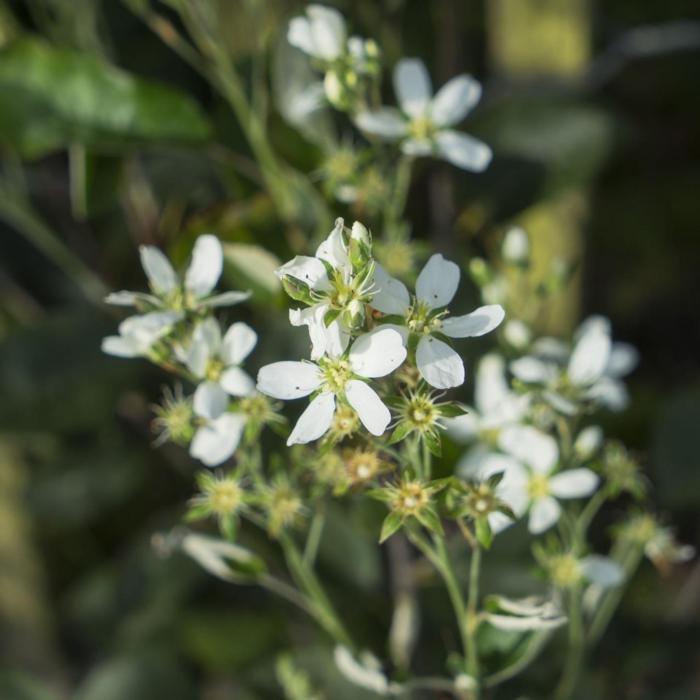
391	295
239	341
333	249
226	299
574	483
210	400
309	270
299	35
377	353
237	382
611	393
412	86
491	386
327	30
126	298
197	357
331	340
463	150
160	273
438	363
387	123
590	355
315	420
623	359
531	446
119	346
216	441
206	265
532	370
454	100
288	380
543	514
602	571
144	330
437	282
371	410
477	323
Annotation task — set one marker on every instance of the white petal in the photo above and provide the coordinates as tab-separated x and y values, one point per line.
315	420
209	331
391	295
119	346
237	382
239	341
216	441
158	269
418	147
144	330
532	370
125	298
372	412
574	483
210	400
197	357
377	353
588	441
327	30
333	249
387	123
437	282
611	393
288	380
464	151
331	340
412	86
438	363
602	570
206	265
623	359
454	100
543	514
299	35
551	350
472	325
590	356
308	270
491	386
531	446
226	299
560	403
463	428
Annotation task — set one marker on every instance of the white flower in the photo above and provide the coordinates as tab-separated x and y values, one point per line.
138	334
525	614
217	359
528	462
365	672
220	431
341	292
423	123
338	378
436	286
496	406
516	333
588	442
169	291
589	371
516	246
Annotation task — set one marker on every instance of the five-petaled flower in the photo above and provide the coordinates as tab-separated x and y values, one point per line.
436	286
337	380
423	123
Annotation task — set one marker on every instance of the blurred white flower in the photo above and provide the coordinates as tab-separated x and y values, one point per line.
170	292
588	442
516	246
216	359
337	379
219	431
528	462
525	614
590	370
436	286
138	334
517	334
422	124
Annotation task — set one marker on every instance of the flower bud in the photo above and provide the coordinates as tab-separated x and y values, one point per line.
516	247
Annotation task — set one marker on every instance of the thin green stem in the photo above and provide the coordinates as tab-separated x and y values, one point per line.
576	649
397	203
314	537
534	646
472	615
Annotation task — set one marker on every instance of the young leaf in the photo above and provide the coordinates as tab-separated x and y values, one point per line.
484	534
391	524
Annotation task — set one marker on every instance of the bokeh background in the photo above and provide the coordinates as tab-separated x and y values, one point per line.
593	111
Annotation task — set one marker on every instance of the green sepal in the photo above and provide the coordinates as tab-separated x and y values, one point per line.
391	524
432	440
228	525
429	519
400	432
379	495
495	479
483	532
297	290
453	410
330	316
198	512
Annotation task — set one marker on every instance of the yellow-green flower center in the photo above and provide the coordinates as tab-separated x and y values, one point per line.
565	570
538	486
213	370
336	374
421	321
224	496
422	128
410	498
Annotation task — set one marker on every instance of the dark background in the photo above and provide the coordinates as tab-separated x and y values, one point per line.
597	149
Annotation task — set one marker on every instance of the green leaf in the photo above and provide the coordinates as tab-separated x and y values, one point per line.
391	524
52	97
252	267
